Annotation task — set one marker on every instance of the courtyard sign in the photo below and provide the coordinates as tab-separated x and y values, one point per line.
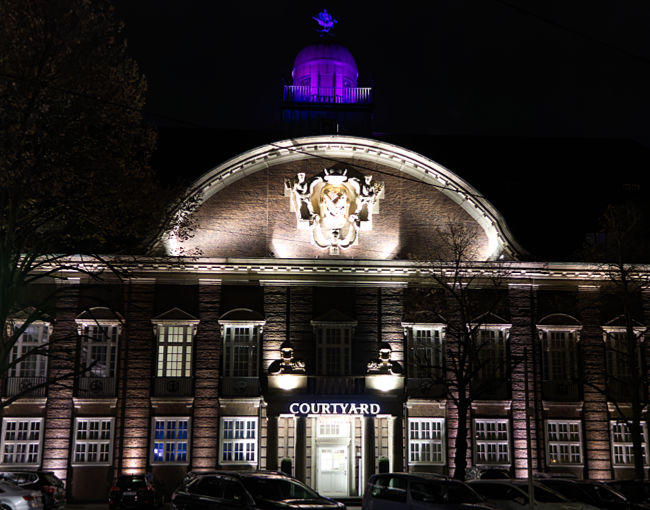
333	408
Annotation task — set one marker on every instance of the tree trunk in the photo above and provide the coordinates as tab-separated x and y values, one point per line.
460	458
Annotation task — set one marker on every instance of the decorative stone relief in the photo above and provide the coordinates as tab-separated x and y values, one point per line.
334	206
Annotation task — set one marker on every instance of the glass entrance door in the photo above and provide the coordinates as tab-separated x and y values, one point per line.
332	473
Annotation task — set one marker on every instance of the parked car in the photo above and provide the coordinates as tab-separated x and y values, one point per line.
14	497
133	491
248	490
637	491
414	491
592	492
50	486
513	495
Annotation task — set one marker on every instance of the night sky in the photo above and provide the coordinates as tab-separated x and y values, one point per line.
519	93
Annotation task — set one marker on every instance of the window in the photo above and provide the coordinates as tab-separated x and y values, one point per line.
492	345
426	440
240	350
99	350
174	350
34	365
622	452
333	349
564	442
170	442
239	440
425	351
619	362
93	441
492	441
21	441
560	354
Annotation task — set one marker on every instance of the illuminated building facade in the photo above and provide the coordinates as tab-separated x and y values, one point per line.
283	335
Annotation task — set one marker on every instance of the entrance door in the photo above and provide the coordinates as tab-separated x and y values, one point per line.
332	473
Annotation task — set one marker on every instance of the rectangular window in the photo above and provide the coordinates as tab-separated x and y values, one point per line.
560	355
174	351
425	353
170	440
333	349
240	351
27	348
239	440
93	441
622	450
426	440
99	350
492	353
564	442
492	441
21	441
619	361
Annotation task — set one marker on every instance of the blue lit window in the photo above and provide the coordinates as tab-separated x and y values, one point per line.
170	440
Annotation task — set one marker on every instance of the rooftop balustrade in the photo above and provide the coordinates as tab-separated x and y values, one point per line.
327	95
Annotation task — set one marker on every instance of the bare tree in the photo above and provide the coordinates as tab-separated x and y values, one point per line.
75	175
619	249
463	296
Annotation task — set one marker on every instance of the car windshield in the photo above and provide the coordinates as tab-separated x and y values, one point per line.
460	493
602	492
543	495
569	490
278	489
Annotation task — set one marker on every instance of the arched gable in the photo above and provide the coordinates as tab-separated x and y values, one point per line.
409	220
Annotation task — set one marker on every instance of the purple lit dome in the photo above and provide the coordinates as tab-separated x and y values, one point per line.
325	65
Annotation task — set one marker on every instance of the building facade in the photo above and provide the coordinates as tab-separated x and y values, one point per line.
302	328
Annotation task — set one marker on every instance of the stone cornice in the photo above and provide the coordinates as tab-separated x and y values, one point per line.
272	271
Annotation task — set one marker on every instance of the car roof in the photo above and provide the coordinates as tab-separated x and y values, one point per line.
423	476
245	474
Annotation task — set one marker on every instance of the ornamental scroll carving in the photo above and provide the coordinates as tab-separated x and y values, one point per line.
335	206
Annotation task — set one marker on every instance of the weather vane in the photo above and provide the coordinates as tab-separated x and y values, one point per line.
325	20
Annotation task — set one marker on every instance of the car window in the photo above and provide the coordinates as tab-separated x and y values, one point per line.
233	491
389	487
278	489
19	477
497	491
131	482
543	495
207	486
458	492
423	491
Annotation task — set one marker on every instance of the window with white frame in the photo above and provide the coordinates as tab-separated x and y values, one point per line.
559	347
99	349
622	448
174	350
170	440
21	441
619	361
426	440
563	442
425	351
239	440
93	441
241	345
333	349
492	441
32	340
492	349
